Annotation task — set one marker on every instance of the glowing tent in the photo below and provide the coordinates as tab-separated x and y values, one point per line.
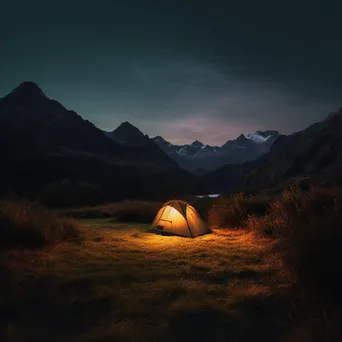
179	218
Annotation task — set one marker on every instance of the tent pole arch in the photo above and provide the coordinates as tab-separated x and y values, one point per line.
199	228
184	215
161	215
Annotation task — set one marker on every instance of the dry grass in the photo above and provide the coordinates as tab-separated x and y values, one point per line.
308	225
274	279
233	211
123	284
124	211
29	225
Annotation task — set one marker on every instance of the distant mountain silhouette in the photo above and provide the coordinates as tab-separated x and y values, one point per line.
126	133
44	142
28	112
199	158
311	156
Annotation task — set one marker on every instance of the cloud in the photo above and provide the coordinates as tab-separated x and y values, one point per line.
185	101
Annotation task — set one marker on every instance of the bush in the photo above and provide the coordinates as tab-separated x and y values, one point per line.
125	211
228	212
234	210
310	229
263	225
67	194
29	225
136	211
308	226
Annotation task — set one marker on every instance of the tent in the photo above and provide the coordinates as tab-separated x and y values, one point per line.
179	218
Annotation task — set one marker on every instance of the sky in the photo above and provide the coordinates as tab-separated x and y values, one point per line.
207	70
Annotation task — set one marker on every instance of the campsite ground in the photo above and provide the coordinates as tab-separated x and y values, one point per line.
124	284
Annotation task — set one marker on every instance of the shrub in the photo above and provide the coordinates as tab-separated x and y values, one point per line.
308	226
257	205
234	210
228	212
125	211
29	225
136	211
311	232
263	225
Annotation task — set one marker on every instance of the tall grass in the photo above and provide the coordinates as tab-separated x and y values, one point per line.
124	211
135	211
30	225
233	211
308	226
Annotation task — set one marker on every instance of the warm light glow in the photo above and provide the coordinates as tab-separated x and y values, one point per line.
179	218
173	215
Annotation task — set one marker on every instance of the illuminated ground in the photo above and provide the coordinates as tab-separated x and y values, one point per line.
123	284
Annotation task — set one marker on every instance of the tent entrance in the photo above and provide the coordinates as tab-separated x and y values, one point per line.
163	227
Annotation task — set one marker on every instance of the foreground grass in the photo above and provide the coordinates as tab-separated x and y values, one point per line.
123	284
30	225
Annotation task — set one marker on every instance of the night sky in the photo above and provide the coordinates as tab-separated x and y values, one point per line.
186	70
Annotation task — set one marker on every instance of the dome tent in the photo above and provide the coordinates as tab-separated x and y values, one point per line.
179	218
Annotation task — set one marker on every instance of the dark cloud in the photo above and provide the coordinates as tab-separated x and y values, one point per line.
185	69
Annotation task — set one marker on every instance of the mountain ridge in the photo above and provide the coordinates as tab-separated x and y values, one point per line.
197	155
44	142
126	133
310	156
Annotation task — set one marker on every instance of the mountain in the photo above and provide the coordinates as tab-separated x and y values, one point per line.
128	134
182	154
30	115
42	141
311	156
199	158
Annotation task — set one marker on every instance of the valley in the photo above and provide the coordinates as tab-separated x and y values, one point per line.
125	284
170	171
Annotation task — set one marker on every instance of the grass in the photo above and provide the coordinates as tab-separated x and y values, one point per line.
233	211
30	225
124	211
124	284
307	225
275	278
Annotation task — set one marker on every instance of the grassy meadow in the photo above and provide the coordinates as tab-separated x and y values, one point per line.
267	273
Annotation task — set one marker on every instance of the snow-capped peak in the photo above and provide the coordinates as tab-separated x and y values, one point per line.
257	137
